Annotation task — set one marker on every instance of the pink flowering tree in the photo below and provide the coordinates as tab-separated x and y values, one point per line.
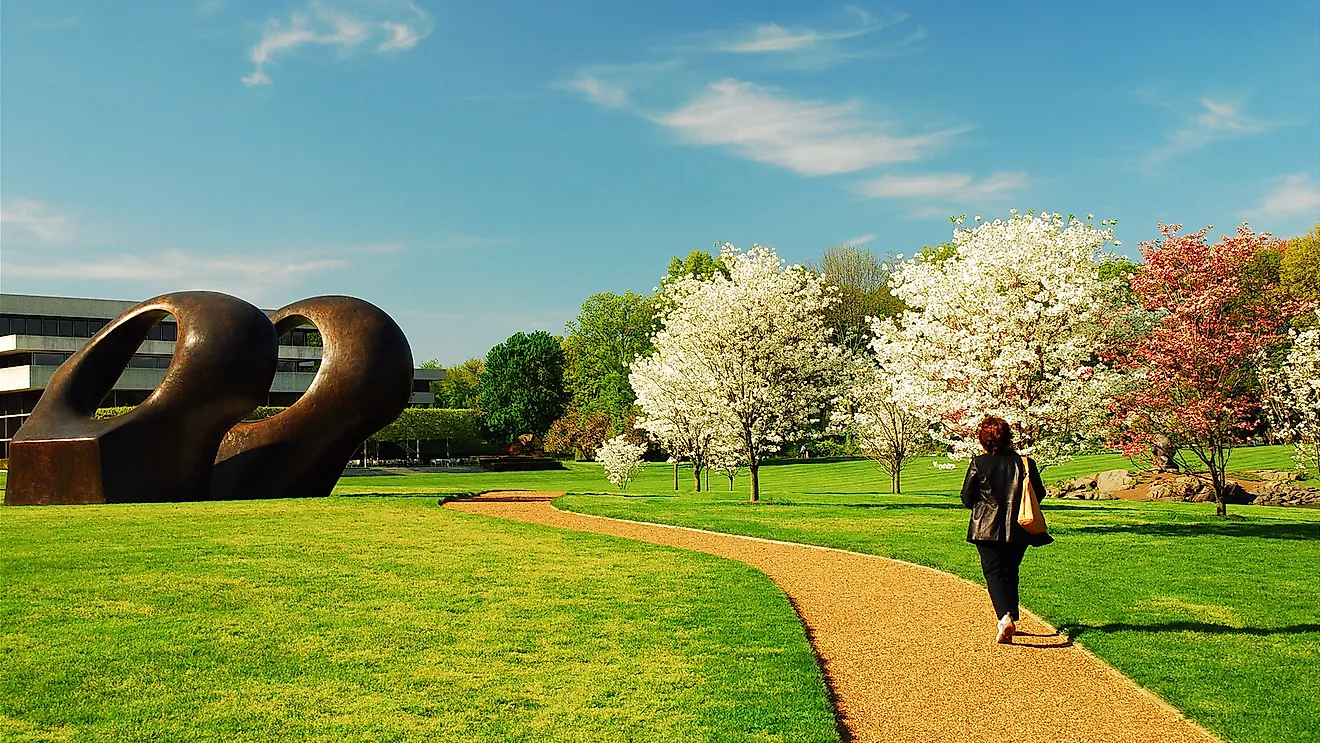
1195	369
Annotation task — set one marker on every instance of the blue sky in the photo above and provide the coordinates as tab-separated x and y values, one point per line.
479	168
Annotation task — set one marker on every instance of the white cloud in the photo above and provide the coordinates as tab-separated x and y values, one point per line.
808	137
807	47
771	37
597	90
957	187
1297	194
862	239
36	220
1217	120
398	25
610	86
403	37
179	267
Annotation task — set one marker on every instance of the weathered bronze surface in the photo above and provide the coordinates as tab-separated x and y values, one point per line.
365	380
163	450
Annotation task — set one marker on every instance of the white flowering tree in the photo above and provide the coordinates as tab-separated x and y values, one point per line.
887	430
751	348
726	456
1292	399
1006	322
683	423
621	460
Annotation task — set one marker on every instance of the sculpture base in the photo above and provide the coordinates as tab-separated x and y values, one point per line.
54	472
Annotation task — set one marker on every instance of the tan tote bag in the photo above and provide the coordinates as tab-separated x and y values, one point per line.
1029	515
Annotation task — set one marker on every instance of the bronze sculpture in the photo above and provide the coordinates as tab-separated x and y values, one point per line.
364	381
163	449
186	442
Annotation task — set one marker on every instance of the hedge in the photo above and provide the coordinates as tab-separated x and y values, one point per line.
413	424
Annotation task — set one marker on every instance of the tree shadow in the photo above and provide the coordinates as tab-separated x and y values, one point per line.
1077	630
880	506
1303	532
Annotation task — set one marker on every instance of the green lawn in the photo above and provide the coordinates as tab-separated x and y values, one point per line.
391	619
1222	618
383	619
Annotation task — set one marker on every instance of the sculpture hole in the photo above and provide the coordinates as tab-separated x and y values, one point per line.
300	345
145	369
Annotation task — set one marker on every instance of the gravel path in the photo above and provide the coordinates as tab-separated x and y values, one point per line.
908	651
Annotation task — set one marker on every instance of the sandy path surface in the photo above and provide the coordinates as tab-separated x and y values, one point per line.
908	651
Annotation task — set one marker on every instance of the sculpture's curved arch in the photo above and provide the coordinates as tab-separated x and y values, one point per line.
364	381
224	361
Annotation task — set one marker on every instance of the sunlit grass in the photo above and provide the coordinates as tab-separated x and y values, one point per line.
384	619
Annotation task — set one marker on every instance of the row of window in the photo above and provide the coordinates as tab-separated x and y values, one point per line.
167	330
75	327
140	361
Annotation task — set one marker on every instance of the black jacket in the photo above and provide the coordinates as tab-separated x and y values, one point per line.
993	490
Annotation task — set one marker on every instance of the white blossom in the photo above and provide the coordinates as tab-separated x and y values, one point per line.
1006	325
1292	398
621	460
746	357
887	430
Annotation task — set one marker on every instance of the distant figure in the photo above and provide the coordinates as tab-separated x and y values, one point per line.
993	490
803	453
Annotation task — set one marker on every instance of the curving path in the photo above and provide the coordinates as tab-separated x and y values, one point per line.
908	650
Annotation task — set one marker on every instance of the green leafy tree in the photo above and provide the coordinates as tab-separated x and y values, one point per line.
521	390
609	332
1299	268
862	282
699	263
458	389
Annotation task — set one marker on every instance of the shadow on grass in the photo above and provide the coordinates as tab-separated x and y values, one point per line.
1304	532
882	506
1205	627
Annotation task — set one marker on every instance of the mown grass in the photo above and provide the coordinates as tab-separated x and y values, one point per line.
384	619
812	476
1221	618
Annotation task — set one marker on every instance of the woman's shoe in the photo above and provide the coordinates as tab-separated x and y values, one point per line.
1006	630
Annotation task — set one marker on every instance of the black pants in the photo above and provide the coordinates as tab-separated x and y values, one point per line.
999	563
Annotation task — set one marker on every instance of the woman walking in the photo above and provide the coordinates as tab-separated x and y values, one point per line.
993	489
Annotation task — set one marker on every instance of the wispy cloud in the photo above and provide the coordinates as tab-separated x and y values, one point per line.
812	47
36	220
862	239
956	187
611	86
1211	121
1297	194
771	37
391	25
180	266
808	137
599	91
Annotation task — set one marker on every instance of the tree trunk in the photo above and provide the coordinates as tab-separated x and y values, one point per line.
696	476
894	483
756	483
1218	480
730	483
675	473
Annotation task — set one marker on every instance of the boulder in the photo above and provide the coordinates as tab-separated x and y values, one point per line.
1287	494
1114	480
1280	476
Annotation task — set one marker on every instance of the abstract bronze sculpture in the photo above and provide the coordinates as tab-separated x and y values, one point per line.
364	381
163	449
186	442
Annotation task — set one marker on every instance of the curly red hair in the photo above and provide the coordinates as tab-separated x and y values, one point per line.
995	435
